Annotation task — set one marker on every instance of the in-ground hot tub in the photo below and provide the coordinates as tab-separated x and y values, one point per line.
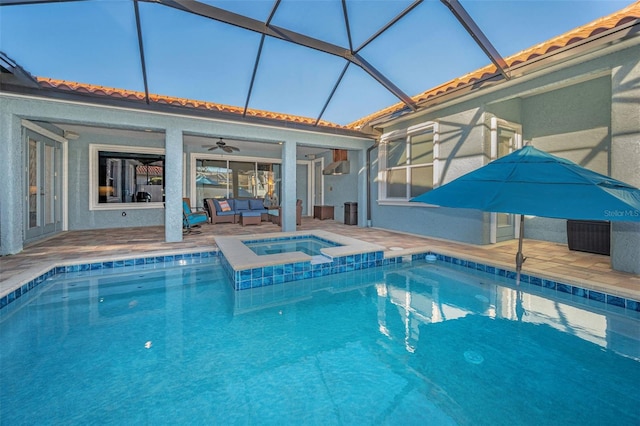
283	257
307	244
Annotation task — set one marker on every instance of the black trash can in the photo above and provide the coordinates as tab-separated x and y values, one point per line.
591	236
350	213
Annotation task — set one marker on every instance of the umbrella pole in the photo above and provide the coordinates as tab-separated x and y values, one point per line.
519	256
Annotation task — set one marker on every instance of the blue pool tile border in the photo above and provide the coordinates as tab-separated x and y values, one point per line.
282	273
134	263
559	287
278	274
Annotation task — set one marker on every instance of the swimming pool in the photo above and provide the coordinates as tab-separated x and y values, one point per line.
310	245
400	344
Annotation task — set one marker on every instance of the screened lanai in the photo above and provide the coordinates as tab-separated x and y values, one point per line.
330	61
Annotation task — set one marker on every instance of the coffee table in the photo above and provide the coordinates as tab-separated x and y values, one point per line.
323	212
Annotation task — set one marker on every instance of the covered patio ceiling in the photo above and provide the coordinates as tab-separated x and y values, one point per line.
246	146
334	61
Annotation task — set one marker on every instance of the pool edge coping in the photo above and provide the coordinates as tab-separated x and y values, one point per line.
241	257
593	291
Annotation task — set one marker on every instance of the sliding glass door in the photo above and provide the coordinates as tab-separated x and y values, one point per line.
235	179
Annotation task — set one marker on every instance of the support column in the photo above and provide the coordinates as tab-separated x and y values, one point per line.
288	196
362	188
11	184
173	172
625	158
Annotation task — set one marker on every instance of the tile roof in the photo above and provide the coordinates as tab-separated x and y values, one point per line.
170	100
149	170
628	14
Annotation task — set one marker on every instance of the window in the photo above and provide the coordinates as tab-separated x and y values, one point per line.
213	180
506	141
408	163
235	179
505	137
125	175
266	178
244	177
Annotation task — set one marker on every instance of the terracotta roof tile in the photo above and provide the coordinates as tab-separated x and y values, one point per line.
169	100
628	14
149	170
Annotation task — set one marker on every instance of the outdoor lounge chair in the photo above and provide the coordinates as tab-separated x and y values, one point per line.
274	214
191	219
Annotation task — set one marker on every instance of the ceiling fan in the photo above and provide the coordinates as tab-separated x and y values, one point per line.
222	145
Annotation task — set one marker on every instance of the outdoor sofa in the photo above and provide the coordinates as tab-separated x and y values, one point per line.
230	210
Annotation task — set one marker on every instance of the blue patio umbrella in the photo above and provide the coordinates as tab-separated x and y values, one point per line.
532	182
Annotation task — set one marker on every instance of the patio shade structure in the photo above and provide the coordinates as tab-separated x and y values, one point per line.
532	182
344	48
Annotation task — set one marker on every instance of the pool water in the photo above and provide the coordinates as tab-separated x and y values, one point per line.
401	344
309	245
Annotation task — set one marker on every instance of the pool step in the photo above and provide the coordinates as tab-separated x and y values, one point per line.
319	258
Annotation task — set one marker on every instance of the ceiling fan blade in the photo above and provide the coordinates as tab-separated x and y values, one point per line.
221	144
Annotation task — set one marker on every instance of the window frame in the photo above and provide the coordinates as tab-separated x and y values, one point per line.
495	124
94	179
383	171
195	156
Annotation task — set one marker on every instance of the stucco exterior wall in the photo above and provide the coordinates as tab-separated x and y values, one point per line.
573	122
80	217
587	112
461	145
625	158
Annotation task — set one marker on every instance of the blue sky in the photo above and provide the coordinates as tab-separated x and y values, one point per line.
192	57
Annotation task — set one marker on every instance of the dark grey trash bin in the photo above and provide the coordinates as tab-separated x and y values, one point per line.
592	236
351	213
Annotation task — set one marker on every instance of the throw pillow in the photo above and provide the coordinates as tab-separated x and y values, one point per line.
256	205
224	206
242	205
